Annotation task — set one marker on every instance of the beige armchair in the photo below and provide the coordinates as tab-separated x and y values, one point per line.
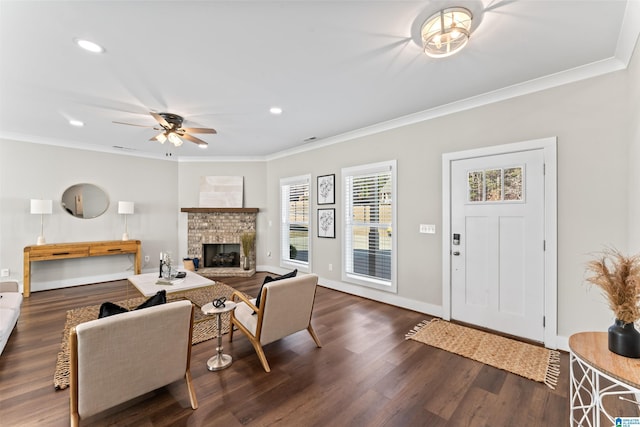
120	357
285	308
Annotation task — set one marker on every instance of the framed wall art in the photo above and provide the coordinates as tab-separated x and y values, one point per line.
326	189
327	223
221	191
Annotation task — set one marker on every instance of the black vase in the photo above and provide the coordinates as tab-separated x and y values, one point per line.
624	339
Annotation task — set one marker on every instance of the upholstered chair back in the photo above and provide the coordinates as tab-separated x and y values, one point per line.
287	305
120	357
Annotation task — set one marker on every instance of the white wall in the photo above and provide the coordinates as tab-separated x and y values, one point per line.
595	121
255	194
633	119
590	121
41	171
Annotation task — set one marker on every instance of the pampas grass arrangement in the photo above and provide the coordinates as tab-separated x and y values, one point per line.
247	240
618	276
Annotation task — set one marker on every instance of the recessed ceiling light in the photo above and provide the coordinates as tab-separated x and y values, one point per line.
89	45
275	110
76	123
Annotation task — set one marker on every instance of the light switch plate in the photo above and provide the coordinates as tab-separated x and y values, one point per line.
428	228
4	272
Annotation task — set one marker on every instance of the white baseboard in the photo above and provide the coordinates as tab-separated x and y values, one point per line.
76	281
372	294
384	297
562	343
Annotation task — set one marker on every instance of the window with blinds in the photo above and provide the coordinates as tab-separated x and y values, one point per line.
295	222
370	212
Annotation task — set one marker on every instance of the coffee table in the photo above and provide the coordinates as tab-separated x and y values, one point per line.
149	284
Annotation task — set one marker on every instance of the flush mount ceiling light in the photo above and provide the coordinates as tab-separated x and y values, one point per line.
76	123
275	111
89	45
446	32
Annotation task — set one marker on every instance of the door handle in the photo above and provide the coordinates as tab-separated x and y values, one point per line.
456	253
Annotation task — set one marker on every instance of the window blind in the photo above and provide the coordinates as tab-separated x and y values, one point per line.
294	222
369	216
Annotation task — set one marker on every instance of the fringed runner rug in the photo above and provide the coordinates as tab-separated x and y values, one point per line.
204	327
527	360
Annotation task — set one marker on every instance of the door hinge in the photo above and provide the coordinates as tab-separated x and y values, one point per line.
544	245
544	321
544	169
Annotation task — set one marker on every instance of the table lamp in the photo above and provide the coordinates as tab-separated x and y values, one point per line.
125	208
41	207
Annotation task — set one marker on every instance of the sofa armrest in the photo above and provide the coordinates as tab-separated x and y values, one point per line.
9	286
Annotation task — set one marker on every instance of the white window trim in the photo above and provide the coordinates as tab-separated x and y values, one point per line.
392	285
286	262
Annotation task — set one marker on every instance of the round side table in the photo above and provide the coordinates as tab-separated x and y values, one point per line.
220	360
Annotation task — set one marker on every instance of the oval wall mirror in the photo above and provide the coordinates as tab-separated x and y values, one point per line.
85	201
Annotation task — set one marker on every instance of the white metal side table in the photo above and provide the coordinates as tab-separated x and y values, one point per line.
597	374
220	360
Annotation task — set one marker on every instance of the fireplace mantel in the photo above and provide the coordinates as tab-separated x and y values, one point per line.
219	210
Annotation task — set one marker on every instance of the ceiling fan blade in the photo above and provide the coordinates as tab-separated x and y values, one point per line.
132	124
199	130
161	120
194	139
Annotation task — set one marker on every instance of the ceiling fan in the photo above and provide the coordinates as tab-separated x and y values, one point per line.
172	130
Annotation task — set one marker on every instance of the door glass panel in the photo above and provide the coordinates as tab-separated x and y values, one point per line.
513	183
496	185
493	185
475	180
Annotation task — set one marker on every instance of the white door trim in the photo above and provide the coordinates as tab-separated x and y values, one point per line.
549	147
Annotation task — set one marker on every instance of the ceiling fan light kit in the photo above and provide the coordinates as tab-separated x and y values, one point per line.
173	131
446	32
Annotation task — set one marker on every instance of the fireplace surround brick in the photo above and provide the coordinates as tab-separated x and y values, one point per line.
220	225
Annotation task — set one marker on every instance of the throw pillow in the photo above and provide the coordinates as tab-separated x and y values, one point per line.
109	308
273	279
159	298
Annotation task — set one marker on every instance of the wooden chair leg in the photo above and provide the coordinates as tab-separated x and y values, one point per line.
313	335
74	416
260	352
230	331
192	392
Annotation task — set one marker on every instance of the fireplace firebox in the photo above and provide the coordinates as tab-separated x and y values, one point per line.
221	255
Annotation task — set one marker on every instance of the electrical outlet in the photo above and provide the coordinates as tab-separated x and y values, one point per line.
4	272
146	258
330	267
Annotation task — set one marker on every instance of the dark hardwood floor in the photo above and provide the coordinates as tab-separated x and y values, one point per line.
366	374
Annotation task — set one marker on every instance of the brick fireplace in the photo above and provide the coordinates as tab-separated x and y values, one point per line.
219	230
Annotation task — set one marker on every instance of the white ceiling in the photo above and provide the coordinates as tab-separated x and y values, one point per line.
334	67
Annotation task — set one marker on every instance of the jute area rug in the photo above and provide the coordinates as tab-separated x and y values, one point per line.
527	360
204	327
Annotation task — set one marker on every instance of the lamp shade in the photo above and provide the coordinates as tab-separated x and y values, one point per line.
41	206
175	139
125	208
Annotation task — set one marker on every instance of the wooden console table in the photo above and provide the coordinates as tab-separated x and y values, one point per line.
78	250
590	363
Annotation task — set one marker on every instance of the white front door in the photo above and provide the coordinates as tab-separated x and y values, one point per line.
497	242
